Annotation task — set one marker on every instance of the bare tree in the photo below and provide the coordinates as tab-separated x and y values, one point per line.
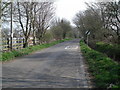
79	22
43	18
33	21
61	29
66	27
3	6
88	22
25	15
101	20
57	32
112	17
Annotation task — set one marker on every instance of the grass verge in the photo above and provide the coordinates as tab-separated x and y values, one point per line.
105	71
16	53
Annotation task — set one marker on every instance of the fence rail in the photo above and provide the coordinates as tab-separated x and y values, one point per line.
17	44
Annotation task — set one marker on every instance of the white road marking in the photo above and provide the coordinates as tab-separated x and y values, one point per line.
72	47
76	47
67	47
82	66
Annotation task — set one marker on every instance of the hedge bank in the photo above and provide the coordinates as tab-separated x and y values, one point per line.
105	71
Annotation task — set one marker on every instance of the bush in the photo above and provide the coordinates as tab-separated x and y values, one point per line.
47	37
111	50
105	71
16	53
7	55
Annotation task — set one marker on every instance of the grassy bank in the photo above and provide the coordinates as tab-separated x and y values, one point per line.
105	71
12	54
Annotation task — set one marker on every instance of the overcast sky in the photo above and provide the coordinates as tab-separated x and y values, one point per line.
68	8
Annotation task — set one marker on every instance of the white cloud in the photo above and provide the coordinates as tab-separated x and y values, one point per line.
68	8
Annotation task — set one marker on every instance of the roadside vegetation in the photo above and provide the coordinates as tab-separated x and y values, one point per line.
99	27
34	23
111	50
33	27
105	71
6	56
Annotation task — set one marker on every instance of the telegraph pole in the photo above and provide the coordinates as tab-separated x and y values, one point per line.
11	27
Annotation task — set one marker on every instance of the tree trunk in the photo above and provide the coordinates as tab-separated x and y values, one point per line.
64	35
118	39
25	43
34	43
34	38
11	31
8	44
39	40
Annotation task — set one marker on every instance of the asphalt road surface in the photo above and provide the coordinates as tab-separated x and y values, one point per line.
59	66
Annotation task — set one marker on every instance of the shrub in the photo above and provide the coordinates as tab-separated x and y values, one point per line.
112	51
6	56
105	71
16	53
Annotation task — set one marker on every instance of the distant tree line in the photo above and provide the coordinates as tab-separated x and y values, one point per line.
100	22
61	29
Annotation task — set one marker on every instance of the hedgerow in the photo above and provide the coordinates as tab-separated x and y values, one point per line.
112	50
105	71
